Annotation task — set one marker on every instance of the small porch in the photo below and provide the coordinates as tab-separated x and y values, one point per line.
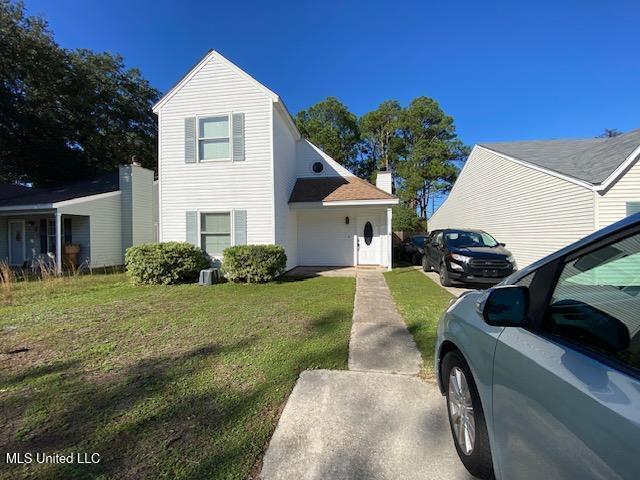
343	220
32	239
343	236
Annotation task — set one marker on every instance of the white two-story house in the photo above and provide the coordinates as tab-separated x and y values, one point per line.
233	170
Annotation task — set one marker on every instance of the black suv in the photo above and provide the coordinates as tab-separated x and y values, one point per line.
412	249
470	256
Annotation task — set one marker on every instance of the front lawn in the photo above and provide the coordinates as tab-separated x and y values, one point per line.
162	382
421	302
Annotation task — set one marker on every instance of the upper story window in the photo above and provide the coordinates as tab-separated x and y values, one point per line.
214	135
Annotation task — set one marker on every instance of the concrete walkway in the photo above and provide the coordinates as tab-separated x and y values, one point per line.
376	421
380	341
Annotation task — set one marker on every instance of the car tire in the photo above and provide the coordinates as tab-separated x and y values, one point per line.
445	281
426	267
474	454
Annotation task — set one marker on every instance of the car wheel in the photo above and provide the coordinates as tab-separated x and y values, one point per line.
425	265
445	281
466	416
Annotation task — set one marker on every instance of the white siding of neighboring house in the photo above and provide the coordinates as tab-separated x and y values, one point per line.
284	174
142	205
611	206
532	212
217	185
105	227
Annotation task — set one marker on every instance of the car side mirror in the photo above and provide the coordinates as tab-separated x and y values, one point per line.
502	244
505	306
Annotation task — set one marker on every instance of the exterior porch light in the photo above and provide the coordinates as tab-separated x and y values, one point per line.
346	220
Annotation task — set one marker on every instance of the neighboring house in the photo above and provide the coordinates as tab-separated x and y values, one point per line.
104	216
234	169
538	196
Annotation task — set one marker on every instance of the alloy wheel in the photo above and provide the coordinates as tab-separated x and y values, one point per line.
461	411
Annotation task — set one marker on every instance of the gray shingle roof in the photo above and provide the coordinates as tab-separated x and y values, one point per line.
9	190
34	196
592	160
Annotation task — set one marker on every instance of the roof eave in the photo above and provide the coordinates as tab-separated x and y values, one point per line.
345	203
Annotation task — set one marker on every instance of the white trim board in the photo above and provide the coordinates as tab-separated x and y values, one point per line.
343	203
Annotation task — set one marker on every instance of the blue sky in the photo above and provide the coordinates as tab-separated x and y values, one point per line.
504	70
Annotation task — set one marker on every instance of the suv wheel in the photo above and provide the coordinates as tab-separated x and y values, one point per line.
425	265
466	416
445	281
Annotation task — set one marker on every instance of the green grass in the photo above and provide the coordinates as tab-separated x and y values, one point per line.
421	302
163	382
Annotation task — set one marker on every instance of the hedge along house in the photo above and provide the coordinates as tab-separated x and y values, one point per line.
539	196
100	217
234	169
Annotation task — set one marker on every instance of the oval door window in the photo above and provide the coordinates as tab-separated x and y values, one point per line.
368	233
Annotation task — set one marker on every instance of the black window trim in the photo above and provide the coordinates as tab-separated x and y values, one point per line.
536	316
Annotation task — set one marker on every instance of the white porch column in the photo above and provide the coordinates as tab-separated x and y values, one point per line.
58	242
390	238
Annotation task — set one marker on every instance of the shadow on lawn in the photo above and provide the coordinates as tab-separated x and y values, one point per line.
152	419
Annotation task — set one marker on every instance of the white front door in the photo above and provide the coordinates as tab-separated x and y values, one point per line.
368	241
17	251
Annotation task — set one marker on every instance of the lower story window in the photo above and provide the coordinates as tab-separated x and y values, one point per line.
215	232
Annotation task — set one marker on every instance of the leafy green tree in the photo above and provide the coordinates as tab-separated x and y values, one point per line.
406	219
67	114
332	127
381	143
433	153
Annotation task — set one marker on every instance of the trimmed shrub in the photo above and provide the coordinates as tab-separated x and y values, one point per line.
254	263
165	263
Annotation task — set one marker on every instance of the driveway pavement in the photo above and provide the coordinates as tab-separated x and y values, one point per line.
455	291
366	423
357	425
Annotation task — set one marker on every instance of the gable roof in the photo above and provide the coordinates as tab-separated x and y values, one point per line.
592	160
44	196
211	55
336	189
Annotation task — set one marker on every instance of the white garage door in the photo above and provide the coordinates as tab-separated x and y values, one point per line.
324	238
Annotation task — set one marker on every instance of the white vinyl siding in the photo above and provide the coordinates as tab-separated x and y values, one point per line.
105	228
532	212
324	238
215	185
308	154
284	172
612	206
215	232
